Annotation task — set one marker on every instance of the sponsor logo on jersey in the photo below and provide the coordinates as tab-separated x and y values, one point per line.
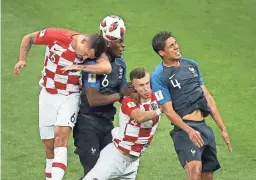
42	33
159	95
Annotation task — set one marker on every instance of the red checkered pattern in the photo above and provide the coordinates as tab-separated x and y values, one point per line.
59	53
136	136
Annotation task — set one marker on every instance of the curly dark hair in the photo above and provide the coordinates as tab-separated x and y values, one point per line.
158	41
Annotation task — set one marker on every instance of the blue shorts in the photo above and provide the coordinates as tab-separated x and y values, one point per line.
187	151
91	134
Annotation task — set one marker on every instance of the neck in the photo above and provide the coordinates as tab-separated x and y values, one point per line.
171	62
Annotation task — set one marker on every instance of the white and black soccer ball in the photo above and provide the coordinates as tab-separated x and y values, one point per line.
112	28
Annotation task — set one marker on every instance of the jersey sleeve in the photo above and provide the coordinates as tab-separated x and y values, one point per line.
46	36
91	79
128	105
159	88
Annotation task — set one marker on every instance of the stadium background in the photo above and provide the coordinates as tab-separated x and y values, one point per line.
219	35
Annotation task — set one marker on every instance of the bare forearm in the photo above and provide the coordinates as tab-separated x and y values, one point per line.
215	113
100	100
25	47
143	116
177	121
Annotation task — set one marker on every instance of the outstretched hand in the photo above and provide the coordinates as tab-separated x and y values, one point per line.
225	136
18	66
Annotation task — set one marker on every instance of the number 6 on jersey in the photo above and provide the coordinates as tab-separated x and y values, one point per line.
105	81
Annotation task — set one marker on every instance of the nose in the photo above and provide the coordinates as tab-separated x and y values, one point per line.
145	88
176	46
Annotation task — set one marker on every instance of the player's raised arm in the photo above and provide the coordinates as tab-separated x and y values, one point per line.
102	66
216	116
27	41
43	37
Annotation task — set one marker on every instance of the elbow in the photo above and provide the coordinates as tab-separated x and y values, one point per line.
92	103
28	38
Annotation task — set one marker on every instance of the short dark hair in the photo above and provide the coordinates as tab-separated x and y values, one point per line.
137	73
158	41
98	43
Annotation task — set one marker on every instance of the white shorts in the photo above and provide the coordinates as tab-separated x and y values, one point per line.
56	110
114	167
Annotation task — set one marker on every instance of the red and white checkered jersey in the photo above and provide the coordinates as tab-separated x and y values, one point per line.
59	53
134	137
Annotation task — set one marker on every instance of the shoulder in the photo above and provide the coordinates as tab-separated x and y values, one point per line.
188	61
89	61
153	97
121	61
62	35
157	72
65	32
128	101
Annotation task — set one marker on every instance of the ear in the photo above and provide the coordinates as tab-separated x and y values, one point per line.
83	41
92	52
161	53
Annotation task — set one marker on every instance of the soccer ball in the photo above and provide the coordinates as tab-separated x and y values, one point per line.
112	28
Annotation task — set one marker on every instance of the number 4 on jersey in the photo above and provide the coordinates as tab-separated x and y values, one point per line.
177	83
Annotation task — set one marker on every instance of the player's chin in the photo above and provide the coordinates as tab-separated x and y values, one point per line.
121	53
177	56
146	95
118	54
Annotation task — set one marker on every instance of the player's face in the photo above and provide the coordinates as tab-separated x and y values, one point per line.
142	86
116	48
83	51
171	50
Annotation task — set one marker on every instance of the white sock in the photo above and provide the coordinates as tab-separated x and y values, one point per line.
59	164
48	169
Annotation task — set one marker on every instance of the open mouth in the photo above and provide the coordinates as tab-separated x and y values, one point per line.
177	53
146	94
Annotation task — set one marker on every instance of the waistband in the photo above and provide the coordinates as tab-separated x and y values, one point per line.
127	157
191	123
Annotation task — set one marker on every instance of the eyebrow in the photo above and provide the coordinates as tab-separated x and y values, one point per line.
143	83
172	44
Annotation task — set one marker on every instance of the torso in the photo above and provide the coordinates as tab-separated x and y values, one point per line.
134	137
59	53
109	84
184	87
